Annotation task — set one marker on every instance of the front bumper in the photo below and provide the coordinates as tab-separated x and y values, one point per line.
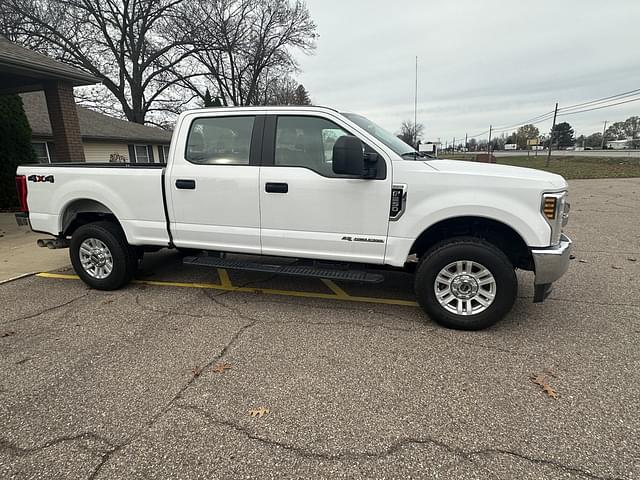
550	263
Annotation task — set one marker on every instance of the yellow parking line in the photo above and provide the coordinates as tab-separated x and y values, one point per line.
225	281
335	288
267	291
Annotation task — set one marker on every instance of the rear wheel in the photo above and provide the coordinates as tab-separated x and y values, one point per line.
101	256
466	283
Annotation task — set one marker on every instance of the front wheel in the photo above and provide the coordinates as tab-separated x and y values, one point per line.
101	256
466	283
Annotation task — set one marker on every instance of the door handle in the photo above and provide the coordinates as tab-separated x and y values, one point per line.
186	184
276	187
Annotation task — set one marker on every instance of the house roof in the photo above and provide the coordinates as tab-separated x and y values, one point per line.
22	69
93	125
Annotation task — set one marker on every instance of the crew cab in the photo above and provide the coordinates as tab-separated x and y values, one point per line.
317	185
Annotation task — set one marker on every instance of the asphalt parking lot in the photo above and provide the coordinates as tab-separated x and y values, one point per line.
158	380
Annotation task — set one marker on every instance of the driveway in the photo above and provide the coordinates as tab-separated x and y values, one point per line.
159	380
19	254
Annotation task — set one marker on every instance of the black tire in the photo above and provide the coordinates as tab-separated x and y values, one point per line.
471	249
125	257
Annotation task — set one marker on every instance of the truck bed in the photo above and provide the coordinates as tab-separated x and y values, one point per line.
133	192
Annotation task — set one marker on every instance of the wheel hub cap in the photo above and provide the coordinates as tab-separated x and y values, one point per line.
465	287
96	258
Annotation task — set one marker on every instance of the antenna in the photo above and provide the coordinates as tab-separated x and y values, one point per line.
415	110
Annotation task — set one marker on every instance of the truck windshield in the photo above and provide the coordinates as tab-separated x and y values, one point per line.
389	139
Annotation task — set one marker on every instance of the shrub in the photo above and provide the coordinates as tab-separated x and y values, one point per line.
15	146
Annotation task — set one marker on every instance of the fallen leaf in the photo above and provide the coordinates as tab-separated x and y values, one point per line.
550	391
572	257
259	412
197	371
7	334
615	267
583	261
546	388
221	367
631	259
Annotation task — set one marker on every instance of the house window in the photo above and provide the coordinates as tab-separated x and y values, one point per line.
142	154
42	152
165	151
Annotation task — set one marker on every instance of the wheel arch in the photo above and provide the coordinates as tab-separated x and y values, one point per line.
503	236
82	211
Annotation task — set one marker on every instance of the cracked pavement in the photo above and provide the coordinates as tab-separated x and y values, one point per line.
122	385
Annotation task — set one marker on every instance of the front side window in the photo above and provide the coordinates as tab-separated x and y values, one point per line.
220	141
307	142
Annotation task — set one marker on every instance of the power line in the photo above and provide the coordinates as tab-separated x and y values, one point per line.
600	100
601	107
571	110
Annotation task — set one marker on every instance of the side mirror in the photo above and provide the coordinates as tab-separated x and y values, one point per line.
349	158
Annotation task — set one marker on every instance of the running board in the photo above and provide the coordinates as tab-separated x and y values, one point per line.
293	270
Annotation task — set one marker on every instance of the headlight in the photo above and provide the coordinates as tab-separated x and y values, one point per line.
555	209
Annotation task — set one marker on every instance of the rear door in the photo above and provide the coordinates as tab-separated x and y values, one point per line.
306	209
212	187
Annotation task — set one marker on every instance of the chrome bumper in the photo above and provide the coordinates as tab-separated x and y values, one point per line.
552	262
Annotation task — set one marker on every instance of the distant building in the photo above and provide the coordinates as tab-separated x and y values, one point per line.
429	147
620	144
510	146
104	138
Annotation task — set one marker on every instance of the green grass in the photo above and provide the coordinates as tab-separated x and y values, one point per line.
571	167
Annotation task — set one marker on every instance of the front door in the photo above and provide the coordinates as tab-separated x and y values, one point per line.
212	188
308	211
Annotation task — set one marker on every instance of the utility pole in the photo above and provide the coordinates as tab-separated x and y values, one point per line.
553	128
604	130
466	143
454	144
489	143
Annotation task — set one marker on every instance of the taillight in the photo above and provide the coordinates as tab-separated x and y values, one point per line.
21	187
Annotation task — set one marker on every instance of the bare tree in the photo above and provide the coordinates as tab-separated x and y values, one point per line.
256	39
411	133
130	45
277	89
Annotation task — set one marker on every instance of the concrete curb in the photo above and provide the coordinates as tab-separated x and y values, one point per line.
18	277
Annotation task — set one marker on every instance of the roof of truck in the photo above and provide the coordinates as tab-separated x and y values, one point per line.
263	108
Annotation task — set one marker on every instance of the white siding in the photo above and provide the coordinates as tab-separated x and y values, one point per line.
102	152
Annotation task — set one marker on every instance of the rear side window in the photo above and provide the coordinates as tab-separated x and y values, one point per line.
220	140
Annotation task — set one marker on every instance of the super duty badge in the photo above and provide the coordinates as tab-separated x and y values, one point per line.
398	201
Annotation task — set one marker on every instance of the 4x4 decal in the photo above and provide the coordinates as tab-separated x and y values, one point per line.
40	178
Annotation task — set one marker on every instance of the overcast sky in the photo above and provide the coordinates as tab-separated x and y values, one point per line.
480	62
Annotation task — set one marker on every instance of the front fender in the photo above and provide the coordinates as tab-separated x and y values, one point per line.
513	211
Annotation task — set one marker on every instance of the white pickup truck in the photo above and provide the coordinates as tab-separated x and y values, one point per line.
317	185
